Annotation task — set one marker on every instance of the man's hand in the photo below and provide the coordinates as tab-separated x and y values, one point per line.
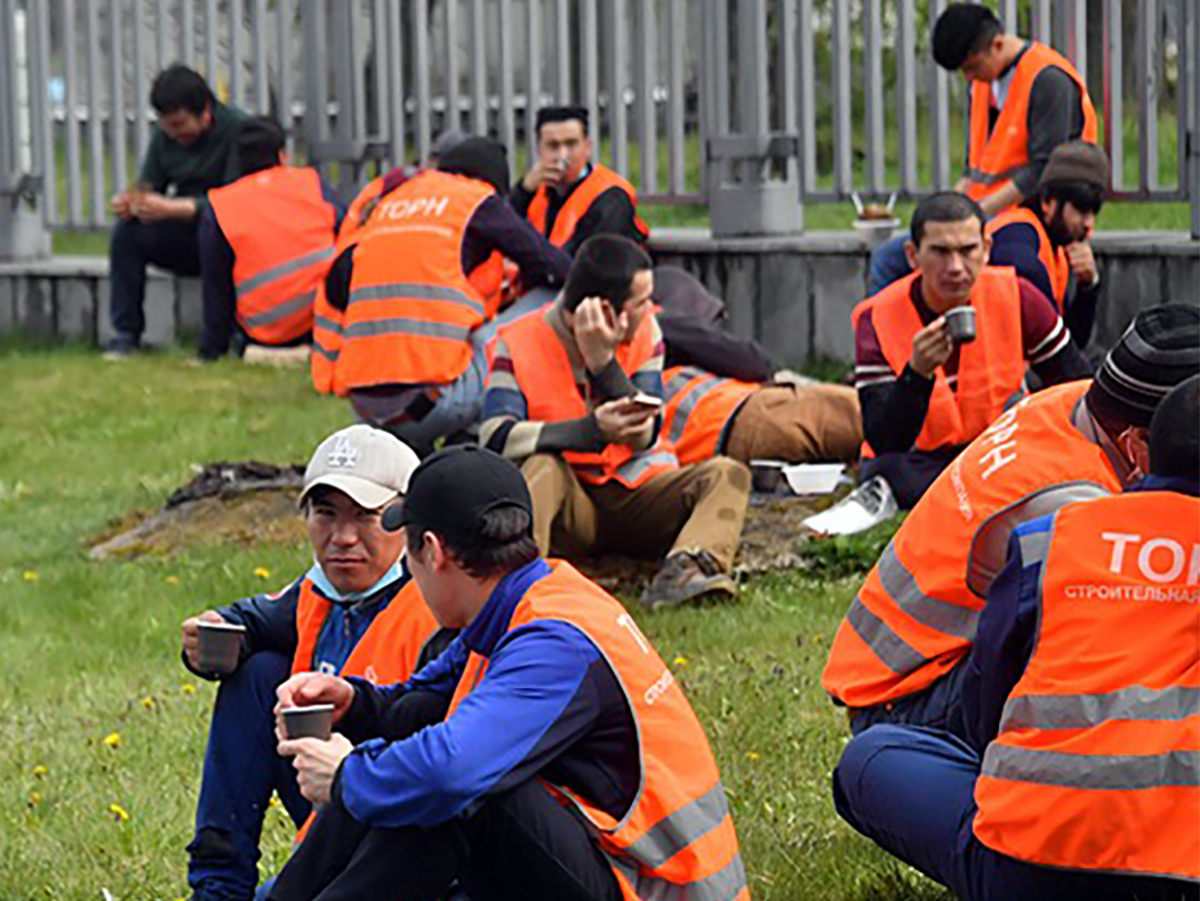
1083	263
931	348
551	175
621	421
304	689
122	206
191	634
316	763
598	332
153	207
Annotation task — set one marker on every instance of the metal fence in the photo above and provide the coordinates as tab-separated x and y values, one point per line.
367	83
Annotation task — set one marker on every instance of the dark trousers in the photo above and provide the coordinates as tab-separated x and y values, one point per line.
168	245
912	792
937	707
241	769
518	845
908	474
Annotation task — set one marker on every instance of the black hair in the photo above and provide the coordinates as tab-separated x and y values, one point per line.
549	114
1084	196
484	159
944	206
605	266
258	144
178	87
963	29
1175	432
506	543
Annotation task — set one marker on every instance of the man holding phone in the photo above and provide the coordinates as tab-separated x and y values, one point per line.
924	395
566	196
574	395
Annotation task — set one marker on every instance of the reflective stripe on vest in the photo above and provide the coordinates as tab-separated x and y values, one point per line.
411	308
1053	259
995	158
1101	734
991	369
599	180
915	615
677	839
697	410
547	381
280	229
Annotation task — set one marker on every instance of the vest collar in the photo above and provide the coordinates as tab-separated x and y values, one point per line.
489	626
325	588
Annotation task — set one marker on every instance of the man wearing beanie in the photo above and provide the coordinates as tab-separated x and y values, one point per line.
570	766
1080	775
401	330
898	655
1026	99
1047	238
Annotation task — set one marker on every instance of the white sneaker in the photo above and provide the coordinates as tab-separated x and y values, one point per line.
869	504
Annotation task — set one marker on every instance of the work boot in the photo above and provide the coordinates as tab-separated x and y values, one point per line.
687	575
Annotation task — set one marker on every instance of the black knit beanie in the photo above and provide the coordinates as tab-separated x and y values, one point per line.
1157	352
484	159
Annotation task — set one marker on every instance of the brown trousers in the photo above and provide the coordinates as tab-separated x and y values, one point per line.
696	508
797	424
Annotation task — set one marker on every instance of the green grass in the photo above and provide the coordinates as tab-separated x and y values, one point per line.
91	649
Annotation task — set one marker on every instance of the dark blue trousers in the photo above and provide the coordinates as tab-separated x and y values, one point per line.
241	770
912	792
168	245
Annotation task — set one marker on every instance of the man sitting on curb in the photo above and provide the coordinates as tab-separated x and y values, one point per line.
562	397
923	395
356	612
898	654
570	767
1080	776
266	242
1047	239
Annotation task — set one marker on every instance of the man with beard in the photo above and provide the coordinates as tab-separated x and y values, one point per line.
1046	239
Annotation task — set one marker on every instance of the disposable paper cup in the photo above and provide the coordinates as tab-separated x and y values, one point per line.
766	475
220	647
813	478
960	324
315	721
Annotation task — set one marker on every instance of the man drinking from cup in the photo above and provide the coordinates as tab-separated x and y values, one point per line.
925	395
355	612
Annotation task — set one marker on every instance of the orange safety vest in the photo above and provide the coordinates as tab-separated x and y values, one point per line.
544	374
411	309
915	615
677	839
698	407
991	369
1097	762
488	279
1058	267
599	180
388	652
993	159
280	229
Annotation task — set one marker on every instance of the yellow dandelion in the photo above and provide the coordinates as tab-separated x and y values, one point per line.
113	740
171	580
35	798
752	755
40	772
262	572
681	661
147	702
119	812
188	688
31	576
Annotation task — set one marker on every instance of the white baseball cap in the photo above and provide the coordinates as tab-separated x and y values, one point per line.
370	465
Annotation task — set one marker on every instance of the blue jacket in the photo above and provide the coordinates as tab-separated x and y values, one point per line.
549	706
1008	627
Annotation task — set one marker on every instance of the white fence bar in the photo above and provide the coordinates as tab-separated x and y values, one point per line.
1147	76
116	102
646	82
95	133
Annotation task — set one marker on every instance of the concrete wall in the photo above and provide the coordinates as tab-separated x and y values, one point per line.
794	294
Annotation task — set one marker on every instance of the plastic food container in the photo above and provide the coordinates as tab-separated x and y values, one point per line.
813	478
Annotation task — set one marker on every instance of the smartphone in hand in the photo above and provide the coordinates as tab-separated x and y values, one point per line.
647	401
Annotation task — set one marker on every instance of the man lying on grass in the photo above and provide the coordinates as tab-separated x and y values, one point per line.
356	612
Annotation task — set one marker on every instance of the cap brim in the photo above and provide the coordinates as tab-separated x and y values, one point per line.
394	518
362	492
